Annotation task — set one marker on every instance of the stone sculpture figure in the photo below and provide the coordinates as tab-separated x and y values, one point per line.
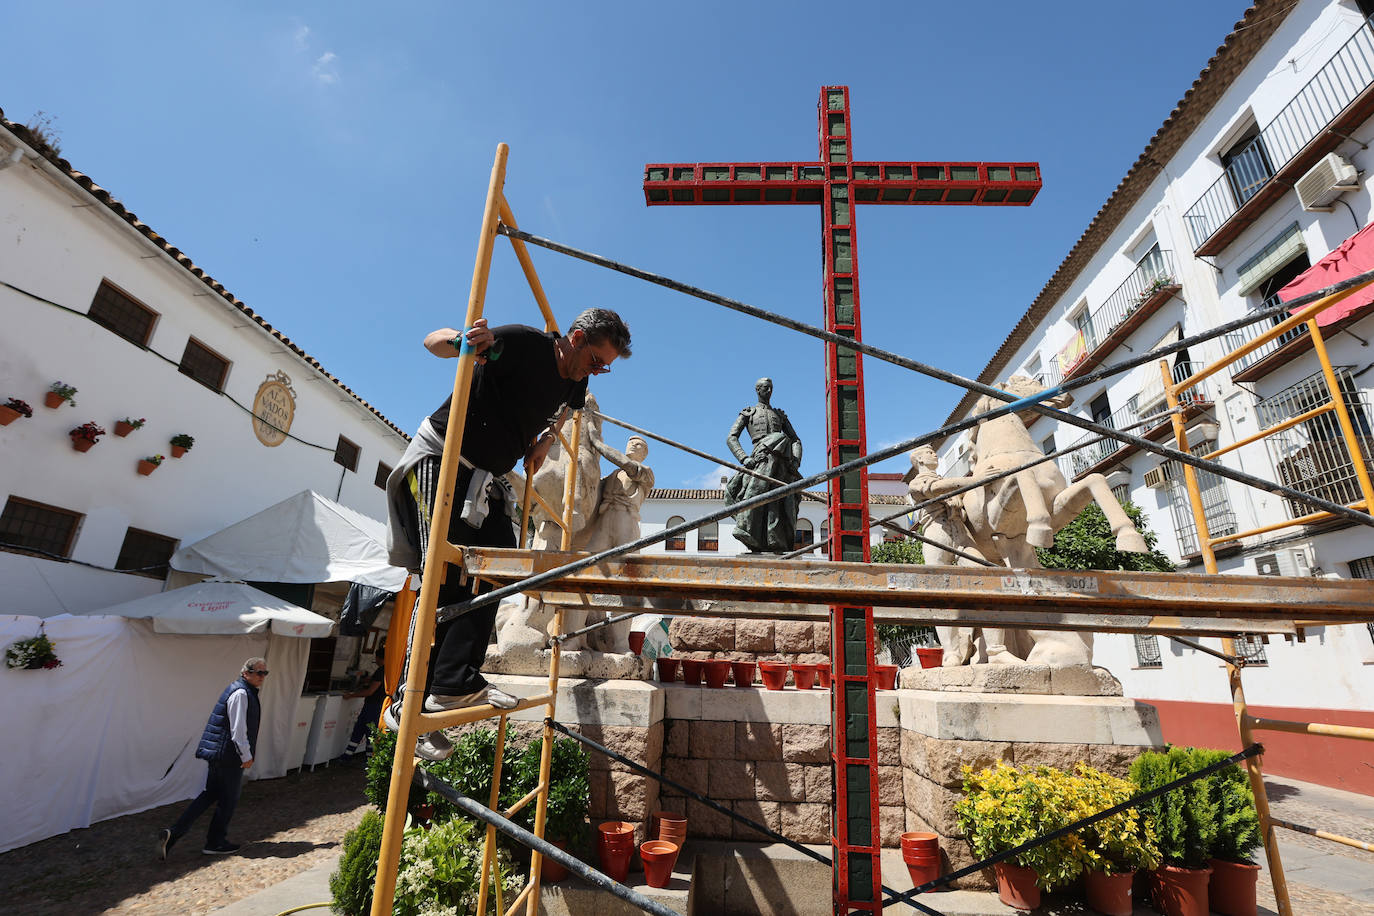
1009	518
776	452
522	627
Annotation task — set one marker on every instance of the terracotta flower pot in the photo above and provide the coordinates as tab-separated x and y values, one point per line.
665	825
82	445
1232	890
8	415
549	870
774	674
887	676
636	637
615	846
1110	893
804	676
123	429
422	813
717	670
691	671
146	467
54	400
178	451
743	673
658	857
931	658
823	675
1016	886
923	868
667	669
1181	891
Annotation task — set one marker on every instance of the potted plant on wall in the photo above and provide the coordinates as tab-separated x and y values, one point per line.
1186	822
149	464
1117	846
127	425
13	410
33	653
1003	807
181	444
86	435
1232	890
60	393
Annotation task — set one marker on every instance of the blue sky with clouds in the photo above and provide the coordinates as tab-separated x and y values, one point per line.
327	162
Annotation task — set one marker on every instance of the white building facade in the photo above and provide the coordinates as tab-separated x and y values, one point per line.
1263	169
92	297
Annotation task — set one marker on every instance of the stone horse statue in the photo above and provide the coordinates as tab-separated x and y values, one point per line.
1009	518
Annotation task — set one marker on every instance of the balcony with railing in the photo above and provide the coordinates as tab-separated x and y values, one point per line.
1146	406
1216	504
1273	354
1338	98
1150	284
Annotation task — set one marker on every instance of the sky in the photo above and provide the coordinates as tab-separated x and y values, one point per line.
327	162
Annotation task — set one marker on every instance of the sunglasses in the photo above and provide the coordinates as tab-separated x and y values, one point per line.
263	673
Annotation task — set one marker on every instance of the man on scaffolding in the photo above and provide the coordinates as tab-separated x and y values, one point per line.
523	386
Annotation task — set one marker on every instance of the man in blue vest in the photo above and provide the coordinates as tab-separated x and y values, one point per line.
228	744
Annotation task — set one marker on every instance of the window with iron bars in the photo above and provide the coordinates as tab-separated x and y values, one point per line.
1313	456
1251	648
1363	568
1147	651
1216	505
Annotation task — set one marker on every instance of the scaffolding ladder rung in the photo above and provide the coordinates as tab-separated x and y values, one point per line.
1359	733
432	721
533	794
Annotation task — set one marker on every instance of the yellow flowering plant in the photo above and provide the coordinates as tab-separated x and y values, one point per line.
1125	841
1005	806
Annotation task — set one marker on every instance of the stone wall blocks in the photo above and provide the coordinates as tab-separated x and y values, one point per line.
758	741
794	636
806	743
730	779
781	782
712	740
945	760
805	822
754	636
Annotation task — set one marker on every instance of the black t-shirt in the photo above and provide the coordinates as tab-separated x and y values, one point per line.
513	398
375	698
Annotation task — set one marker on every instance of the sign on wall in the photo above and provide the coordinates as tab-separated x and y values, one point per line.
273	409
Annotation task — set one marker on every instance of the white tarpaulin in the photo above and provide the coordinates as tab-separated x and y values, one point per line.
306	538
222	606
114	729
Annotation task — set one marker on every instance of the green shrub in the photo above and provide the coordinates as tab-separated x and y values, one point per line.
1238	830
440	870
1185	818
569	789
351	886
377	781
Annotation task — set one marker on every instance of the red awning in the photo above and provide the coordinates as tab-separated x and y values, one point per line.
1353	256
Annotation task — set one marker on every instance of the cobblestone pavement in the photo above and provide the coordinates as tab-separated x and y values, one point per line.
286	826
1334	811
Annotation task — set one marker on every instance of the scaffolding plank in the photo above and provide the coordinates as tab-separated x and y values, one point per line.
1042	597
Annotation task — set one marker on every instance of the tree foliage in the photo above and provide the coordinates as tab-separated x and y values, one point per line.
1087	543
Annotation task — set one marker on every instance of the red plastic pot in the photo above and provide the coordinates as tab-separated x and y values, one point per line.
54	400
82	445
1109	894
920	841
823	675
667	669
658	856
1181	891
887	676
8	415
803	676
717	670
549	870
178	451
1232	890
1016	886
931	658
123	429
743	673
636	641
922	868
615	846
691	671
774	674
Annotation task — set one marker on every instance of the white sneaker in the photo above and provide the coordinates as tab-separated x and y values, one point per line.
434	747
488	695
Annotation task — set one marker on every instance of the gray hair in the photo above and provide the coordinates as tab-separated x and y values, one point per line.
602	325
254	662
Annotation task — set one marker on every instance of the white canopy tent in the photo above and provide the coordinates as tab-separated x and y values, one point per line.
114	729
306	538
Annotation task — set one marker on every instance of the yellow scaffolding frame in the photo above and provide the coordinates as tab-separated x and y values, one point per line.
1246	723
413	721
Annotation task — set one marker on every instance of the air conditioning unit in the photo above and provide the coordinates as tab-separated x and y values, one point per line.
1291	561
1202	430
1157	478
1331	177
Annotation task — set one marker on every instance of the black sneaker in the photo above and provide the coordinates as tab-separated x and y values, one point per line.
164	843
223	849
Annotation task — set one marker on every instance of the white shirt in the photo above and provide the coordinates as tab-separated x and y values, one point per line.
238	723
